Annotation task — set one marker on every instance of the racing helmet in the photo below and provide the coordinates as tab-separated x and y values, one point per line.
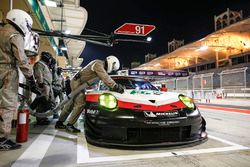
59	70
52	64
21	20
46	57
113	64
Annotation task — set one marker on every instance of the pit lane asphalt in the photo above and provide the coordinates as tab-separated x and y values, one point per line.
228	146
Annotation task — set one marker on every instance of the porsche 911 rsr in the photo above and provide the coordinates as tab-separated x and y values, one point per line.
141	116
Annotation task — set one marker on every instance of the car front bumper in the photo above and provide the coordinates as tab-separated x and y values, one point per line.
132	128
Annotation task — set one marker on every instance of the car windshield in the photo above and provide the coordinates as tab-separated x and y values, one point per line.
134	83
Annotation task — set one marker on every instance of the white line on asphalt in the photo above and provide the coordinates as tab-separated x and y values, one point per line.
233	112
224	141
84	151
211	150
34	154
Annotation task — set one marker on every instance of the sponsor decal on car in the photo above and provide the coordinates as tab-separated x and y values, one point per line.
149	114
133	92
161	123
92	112
170	114
157	93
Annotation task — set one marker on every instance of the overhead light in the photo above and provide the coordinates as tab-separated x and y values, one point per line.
149	39
67	32
63	48
202	48
158	64
50	3
245	44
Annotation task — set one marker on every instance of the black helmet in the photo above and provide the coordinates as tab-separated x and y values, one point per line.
46	57
52	64
59	70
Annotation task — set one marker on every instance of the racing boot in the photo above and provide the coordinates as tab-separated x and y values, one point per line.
42	121
70	128
55	116
60	125
7	144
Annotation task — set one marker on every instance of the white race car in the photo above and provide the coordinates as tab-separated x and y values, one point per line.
142	116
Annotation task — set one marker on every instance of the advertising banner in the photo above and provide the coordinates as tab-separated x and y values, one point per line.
158	73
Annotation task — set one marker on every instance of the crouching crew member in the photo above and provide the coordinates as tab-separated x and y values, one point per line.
96	68
58	84
43	77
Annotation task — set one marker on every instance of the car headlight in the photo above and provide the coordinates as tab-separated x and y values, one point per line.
108	101
187	101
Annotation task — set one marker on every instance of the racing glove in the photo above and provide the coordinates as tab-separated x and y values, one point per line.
33	86
41	85
118	88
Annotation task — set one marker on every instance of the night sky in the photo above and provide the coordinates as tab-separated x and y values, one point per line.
190	21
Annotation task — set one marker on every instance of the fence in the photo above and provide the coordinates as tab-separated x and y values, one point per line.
234	83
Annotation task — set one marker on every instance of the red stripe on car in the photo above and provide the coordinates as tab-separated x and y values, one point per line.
162	108
92	97
136	106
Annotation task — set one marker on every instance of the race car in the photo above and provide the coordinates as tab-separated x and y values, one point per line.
142	116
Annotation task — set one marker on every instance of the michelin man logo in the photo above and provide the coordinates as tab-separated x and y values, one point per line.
149	114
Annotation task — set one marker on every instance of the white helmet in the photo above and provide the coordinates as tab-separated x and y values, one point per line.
21	19
31	43
113	64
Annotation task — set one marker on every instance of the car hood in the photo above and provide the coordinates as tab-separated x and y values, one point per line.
148	97
145	100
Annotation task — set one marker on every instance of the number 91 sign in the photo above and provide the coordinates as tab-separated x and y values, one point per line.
134	29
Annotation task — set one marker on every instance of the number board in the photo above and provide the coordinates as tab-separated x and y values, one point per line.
134	29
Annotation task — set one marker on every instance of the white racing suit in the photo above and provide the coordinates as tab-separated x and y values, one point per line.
12	56
92	70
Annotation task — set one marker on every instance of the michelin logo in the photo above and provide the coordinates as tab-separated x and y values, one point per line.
150	114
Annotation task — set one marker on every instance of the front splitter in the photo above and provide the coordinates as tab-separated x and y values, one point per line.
103	143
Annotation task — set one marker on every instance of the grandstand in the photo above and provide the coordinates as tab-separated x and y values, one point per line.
219	64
